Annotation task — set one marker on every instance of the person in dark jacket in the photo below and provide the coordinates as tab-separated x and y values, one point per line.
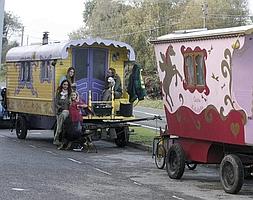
70	76
136	87
112	81
62	108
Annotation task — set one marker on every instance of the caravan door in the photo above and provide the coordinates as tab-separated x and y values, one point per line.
90	65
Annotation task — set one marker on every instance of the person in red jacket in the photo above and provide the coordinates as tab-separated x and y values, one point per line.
75	110
76	116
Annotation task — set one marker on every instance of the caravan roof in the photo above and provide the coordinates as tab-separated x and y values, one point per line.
202	34
59	50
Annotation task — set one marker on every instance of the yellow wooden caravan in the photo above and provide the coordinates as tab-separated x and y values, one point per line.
33	74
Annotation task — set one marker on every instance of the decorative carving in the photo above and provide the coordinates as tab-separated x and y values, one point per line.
210	50
227	71
27	79
215	77
235	129
170	71
181	99
236	44
197	125
31	106
208	115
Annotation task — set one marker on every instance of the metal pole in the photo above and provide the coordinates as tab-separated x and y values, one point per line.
1	26
205	12
22	36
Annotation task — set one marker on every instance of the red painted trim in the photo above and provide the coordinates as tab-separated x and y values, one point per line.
208	125
197	51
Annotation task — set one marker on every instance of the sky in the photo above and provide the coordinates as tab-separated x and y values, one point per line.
58	17
251	6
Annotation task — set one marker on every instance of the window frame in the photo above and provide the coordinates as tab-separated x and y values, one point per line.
45	71
195	84
25	75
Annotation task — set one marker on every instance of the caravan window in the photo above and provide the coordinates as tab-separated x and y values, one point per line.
190	70
99	62
199	70
45	70
194	68
25	72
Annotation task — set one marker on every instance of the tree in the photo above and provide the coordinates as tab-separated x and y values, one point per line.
218	14
11	26
137	21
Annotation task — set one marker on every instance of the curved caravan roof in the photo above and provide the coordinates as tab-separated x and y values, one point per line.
203	34
59	50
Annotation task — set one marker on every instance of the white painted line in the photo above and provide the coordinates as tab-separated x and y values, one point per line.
35	133
18	189
136	183
149	127
146	113
51	153
32	146
73	160
104	172
177	197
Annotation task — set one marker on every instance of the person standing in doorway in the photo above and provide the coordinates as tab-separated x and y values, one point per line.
70	76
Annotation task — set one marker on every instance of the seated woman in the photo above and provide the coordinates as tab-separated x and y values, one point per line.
112	81
62	109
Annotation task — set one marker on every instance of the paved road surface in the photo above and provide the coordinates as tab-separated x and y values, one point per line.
34	169
142	112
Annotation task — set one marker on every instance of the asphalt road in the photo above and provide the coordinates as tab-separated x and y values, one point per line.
143	112
35	169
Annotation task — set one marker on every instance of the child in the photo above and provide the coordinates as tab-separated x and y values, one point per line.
75	116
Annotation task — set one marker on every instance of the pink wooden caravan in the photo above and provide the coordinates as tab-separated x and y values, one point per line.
207	86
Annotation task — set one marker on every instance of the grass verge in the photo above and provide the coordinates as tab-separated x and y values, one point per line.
143	136
158	104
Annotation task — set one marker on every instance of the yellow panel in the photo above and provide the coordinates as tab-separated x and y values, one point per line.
61	70
35	99
31	106
118	65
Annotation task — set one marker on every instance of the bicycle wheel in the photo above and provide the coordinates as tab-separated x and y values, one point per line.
160	156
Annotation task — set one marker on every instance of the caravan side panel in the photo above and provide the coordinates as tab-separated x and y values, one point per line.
201	107
30	87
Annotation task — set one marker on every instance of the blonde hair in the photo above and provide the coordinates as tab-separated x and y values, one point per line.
74	92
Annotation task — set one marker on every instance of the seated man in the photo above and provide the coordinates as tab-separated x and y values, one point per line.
112	81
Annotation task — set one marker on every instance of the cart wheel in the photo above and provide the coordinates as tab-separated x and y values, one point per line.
122	136
231	174
175	161
191	166
160	156
21	127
